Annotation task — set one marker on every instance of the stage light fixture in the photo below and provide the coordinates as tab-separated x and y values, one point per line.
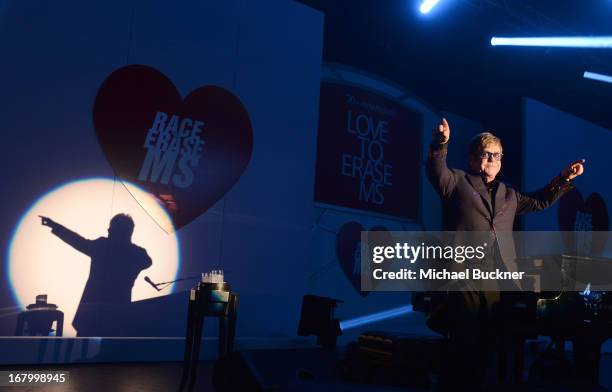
427	6
374	317
317	318
597	76
564	42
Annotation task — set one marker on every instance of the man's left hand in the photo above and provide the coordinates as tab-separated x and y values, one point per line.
573	170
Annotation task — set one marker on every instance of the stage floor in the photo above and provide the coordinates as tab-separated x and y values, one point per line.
165	377
119	377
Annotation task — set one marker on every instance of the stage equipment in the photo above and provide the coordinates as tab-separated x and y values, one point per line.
583	317
163	285
210	298
39	318
398	359
317	318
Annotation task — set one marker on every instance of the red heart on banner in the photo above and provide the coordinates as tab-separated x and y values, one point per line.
348	252
188	152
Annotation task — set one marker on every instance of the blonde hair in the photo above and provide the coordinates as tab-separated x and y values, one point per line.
482	140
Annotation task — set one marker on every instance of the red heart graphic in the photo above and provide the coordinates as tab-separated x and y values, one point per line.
187	152
348	252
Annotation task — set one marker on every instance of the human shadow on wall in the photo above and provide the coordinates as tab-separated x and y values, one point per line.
115	265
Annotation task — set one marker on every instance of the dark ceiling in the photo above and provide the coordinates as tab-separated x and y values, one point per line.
446	59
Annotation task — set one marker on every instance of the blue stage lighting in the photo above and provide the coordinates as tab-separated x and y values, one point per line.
596	76
427	5
371	318
564	42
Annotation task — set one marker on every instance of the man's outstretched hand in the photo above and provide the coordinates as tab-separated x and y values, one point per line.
573	170
442	133
48	221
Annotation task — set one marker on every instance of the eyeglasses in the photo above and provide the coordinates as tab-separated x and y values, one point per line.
497	156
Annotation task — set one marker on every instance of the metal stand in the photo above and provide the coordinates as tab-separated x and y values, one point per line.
212	300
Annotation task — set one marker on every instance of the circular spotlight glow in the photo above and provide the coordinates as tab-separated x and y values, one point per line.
427	5
40	263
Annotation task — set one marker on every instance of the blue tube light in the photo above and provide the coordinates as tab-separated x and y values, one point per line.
597	76
565	42
374	317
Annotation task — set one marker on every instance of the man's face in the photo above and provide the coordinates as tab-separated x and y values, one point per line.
488	163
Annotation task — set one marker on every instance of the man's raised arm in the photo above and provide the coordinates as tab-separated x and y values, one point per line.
557	187
439	175
68	236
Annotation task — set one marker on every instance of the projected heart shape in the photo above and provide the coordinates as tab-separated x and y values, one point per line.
590	215
348	252
188	153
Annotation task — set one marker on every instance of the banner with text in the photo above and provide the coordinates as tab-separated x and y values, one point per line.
368	152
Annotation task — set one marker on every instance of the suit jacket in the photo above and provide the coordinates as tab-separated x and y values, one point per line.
467	204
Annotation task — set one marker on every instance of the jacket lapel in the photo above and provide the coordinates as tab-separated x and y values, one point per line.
479	186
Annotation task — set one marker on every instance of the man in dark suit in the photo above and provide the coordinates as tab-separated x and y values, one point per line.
477	201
